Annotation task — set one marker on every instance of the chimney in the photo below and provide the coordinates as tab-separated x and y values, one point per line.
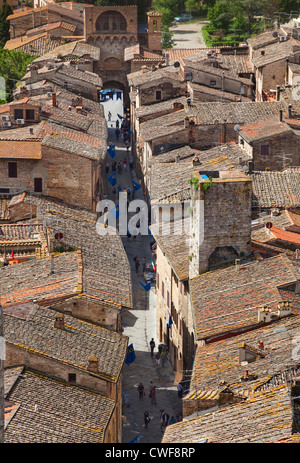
290	111
237	264
261	345
52	264
277	92
262	52
280	113
297	254
93	364
31	131
250	167
167	59
246	374
59	321
53	99
177	158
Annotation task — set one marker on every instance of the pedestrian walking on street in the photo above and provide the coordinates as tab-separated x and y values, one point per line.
117	132
180	390
120	167
141	390
136	263
152	346
107	167
152	395
109	115
125	163
117	123
114	166
157	358
163	357
164	420
129	192
146	419
172	420
127	144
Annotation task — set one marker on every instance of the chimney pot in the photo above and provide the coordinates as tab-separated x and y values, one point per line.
246	373
59	321
280	114
53	99
261	345
93	363
237	264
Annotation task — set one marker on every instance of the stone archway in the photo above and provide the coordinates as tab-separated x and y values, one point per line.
111	22
114	84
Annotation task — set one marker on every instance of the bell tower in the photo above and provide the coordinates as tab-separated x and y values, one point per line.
154	30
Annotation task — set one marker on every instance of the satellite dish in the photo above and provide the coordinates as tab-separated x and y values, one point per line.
176	64
275	34
236	128
269	225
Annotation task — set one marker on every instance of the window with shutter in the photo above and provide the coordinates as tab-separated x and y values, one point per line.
12	170
264	150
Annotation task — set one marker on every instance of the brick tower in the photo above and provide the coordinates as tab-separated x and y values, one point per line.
154	30
221	221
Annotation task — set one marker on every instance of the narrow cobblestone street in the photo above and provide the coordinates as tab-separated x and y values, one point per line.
139	324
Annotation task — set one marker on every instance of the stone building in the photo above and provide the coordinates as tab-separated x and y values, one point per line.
70	350
53	161
55	411
188	250
272	145
270	55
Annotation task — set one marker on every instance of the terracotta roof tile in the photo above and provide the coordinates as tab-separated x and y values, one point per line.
64	414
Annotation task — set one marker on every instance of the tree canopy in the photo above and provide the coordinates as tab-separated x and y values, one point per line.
13	66
4	24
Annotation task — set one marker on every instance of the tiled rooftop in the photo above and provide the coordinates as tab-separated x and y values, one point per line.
17	150
227	299
71	50
106	270
264	418
64	413
275	52
144	76
264	129
175	245
19	232
33	280
163	106
276	189
237	113
170	180
266	38
217	364
30	326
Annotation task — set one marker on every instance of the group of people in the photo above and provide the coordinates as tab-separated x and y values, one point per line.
165	419
161	355
136	261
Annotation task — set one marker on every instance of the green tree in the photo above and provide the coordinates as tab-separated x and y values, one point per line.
192	6
220	15
4	24
168	8
166	38
13	65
